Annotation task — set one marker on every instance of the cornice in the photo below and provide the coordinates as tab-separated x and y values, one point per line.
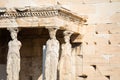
41	12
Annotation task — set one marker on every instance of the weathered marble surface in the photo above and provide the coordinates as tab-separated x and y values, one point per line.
13	57
65	64
52	56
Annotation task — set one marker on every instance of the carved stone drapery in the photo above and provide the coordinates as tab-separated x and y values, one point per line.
52	56
13	57
65	64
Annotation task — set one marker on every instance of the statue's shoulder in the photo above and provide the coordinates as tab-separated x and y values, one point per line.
19	42
53	40
48	41
57	41
10	42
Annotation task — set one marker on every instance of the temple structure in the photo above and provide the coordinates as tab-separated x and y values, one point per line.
59	39
36	25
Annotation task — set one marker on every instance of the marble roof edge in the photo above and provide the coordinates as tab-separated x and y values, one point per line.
39	8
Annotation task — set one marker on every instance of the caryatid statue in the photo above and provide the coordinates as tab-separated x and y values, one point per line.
65	63
13	57
52	56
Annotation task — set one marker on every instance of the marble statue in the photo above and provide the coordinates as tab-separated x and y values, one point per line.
13	57
52	56
65	63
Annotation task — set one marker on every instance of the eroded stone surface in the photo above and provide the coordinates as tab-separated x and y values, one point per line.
13	58
65	65
52	56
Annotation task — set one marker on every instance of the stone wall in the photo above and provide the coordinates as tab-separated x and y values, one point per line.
99	57
100	49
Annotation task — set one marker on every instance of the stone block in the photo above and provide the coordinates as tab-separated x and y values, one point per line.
92	74
70	2
115	18
78	64
78	60
103	13
83	9
89	50
2	3
104	69
79	70
101	39
96	1
114	28
21	3
101	29
88	70
94	59
115	60
115	0
115	39
77	1
88	40
43	2
90	29
115	74
108	49
107	28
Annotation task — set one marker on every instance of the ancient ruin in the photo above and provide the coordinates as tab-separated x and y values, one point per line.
52	56
13	57
59	39
65	65
53	18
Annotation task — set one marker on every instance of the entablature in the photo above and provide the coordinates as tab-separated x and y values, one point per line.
41	17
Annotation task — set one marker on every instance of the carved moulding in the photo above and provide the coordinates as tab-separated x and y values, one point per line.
44	12
41	17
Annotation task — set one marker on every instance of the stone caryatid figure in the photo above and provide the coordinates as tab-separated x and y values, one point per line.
65	63
52	56
13	57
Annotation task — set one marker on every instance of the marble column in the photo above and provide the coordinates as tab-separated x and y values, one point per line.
52	56
65	64
13	56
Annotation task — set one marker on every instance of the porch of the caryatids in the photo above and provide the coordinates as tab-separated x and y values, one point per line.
65	63
52	56
13	57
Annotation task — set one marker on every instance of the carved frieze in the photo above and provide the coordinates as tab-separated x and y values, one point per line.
43	12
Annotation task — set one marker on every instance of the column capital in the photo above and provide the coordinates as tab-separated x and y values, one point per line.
52	32
13	32
67	35
50	28
13	29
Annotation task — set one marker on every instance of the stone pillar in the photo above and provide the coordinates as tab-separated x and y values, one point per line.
65	64
52	56
13	57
